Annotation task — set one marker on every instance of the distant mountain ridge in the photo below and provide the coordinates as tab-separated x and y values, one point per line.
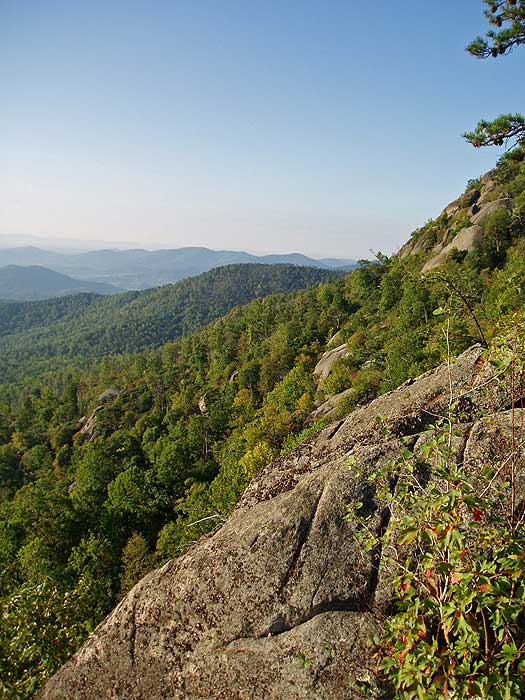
33	282
137	268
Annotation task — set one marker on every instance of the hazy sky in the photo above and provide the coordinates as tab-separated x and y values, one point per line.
326	127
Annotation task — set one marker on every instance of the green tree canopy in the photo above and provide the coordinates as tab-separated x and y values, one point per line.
507	17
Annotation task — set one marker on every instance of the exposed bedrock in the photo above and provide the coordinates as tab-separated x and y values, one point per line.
279	603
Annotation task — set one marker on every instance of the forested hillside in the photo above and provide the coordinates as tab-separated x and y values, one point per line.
35	336
91	501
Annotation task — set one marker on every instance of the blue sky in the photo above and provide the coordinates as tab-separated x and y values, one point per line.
323	127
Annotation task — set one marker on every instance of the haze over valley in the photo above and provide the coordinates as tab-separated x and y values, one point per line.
23	273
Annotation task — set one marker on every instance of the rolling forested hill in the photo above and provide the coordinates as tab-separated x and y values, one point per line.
100	486
36	282
41	335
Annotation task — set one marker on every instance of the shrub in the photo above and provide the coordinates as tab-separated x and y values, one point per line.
491	250
453	552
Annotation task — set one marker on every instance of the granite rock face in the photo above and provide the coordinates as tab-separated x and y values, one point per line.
464	220
324	367
328	408
108	396
485	210
465	240
89	424
278	604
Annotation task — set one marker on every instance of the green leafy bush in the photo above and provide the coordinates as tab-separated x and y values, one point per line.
453	553
41	625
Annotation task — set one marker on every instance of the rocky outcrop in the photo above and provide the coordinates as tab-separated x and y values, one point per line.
484	211
473	209
108	396
278	604
471	197
324	367
464	240
467	237
328	408
89	423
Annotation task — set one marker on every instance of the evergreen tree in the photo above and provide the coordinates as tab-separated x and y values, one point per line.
508	19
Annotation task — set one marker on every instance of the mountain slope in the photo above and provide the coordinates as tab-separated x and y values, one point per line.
281	601
99	487
42	334
36	282
141	269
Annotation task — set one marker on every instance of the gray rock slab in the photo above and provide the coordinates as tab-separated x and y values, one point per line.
329	407
464	240
487	209
279	603
324	367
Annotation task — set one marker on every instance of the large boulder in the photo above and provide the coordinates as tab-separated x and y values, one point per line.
324	367
108	395
464	240
278	604
328	408
89	424
487	209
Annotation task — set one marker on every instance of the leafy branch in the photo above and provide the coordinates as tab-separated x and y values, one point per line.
454	556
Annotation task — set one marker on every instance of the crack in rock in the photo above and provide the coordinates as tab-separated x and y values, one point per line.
132	634
335	429
303	531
